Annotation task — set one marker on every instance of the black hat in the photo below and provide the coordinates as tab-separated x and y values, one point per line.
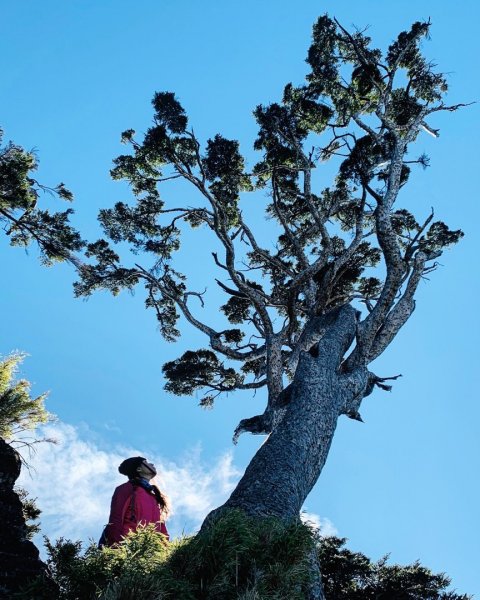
130	465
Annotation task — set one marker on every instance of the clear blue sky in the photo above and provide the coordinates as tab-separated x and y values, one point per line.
74	75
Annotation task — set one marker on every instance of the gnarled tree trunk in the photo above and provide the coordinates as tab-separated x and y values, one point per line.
287	466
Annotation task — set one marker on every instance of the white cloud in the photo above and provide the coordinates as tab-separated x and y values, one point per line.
325	527
193	488
73	482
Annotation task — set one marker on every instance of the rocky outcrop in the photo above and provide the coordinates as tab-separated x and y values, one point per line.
19	557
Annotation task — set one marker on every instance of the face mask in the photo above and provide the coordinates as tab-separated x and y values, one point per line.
150	468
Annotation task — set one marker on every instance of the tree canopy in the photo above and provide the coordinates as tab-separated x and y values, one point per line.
343	243
346	243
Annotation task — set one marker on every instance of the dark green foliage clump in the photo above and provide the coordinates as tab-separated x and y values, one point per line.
31	512
22	220
350	575
196	370
128	571
237	558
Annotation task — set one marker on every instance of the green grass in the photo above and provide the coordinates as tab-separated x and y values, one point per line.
237	558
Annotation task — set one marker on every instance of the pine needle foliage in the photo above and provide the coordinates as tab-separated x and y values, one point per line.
19	411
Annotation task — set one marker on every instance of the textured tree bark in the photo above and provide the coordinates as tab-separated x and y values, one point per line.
287	466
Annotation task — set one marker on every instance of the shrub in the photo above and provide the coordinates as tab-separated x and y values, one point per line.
236	558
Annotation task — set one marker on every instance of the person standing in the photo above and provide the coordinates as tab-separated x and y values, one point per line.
136	502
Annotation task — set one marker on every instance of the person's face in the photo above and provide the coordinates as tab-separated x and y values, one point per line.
147	470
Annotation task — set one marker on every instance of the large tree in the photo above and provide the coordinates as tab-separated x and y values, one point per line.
308	312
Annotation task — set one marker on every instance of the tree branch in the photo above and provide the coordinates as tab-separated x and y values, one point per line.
400	313
214	336
43	242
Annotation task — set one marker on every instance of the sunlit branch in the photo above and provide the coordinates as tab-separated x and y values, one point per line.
400	313
267	257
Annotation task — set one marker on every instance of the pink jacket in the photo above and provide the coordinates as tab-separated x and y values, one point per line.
132	506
